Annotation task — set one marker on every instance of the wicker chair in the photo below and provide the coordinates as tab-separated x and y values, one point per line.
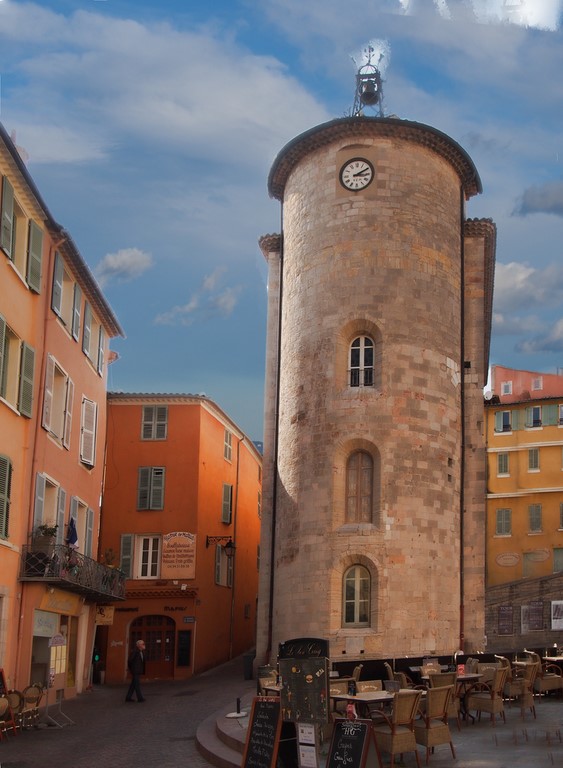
487	697
432	729
357	672
7	722
549	676
16	705
443	679
395	734
526	697
367	686
337	688
32	696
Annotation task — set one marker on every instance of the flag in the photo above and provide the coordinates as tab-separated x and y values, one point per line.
72	534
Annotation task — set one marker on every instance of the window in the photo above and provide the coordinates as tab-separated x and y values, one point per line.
227	504
557	559
223	567
359	487
534	515
537	383
93	339
21	239
361	362
506	388
65	300
88	432
228	445
356	597
503	522
150	489
17	367
57	402
503	421
259	504
560	515
534	460
49	505
155	422
140	556
5	486
561	414
533	416
502	464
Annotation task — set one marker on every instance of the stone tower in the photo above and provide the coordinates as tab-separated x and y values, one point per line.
379	314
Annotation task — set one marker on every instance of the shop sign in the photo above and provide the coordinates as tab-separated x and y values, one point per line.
58	601
178	555
104	615
57	640
45	624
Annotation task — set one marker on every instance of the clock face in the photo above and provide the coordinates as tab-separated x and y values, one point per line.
356	174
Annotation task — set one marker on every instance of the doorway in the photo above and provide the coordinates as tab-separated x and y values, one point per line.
158	632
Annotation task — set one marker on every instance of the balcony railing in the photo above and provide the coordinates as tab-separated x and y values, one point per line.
64	567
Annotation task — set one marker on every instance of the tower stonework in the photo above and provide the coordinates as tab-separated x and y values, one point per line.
396	266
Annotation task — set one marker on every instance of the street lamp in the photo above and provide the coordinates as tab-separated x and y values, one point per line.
229	545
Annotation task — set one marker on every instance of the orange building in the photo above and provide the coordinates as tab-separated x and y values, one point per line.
181	519
525	482
54	330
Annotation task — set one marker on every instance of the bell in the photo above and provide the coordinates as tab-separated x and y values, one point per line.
369	92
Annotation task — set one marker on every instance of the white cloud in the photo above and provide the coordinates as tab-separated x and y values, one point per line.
202	307
552	341
511	325
123	266
519	286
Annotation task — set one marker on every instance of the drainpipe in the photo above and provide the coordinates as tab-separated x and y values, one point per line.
462	416
234	560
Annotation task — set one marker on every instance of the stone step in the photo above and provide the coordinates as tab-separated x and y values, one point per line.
220	739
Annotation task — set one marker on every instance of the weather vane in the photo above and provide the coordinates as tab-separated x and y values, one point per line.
368	85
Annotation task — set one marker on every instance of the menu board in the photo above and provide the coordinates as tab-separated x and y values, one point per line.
351	745
263	736
304	693
303	647
505	619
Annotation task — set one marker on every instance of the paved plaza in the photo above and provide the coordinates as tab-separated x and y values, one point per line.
161	732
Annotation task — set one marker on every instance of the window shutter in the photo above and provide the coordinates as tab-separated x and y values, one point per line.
39	499
89	532
101	342
126	554
550	415
2	343
57	288
161	422
74	508
498	421
148	419
218	564
227	503
529	417
157	488
61	504
518	420
7	217
143	487
48	394
88	434
34	256
87	331
27	367
5	482
76	307
68	413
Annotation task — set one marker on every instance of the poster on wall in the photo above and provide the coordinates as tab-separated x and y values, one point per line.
505	620
557	614
532	617
178	555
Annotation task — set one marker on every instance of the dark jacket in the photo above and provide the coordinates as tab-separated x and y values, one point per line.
136	662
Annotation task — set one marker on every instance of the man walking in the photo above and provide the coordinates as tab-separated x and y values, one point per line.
136	666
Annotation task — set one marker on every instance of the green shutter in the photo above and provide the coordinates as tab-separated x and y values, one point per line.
34	257
7	223
27	368
143	488
61	503
519	418
157	488
126	554
57	288
76	307
87	330
101	343
89	532
67	429
2	360
88	432
550	415
5	482
39	500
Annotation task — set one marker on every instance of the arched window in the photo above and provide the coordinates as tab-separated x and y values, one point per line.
359	488
361	362
356	597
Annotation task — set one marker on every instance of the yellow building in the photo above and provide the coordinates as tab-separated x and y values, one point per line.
524	417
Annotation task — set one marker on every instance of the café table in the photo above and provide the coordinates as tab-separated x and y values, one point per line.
363	700
464	683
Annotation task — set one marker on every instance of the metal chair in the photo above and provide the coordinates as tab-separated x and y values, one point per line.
32	696
432	728
395	734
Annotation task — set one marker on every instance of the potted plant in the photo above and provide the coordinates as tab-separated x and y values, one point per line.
48	530
109	557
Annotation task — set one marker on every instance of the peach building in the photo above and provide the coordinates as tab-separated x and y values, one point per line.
55	326
181	518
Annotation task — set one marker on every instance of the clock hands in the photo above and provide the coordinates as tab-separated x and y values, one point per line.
362	173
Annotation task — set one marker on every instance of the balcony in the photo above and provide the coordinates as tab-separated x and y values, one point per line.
61	566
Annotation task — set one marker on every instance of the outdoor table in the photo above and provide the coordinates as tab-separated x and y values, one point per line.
273	688
365	699
464	683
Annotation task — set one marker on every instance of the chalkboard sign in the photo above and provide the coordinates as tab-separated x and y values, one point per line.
304	693
3	689
301	647
351	744
262	739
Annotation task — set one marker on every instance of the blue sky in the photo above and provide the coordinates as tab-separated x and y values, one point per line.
151	127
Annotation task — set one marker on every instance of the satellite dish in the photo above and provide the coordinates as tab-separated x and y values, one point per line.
488	395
